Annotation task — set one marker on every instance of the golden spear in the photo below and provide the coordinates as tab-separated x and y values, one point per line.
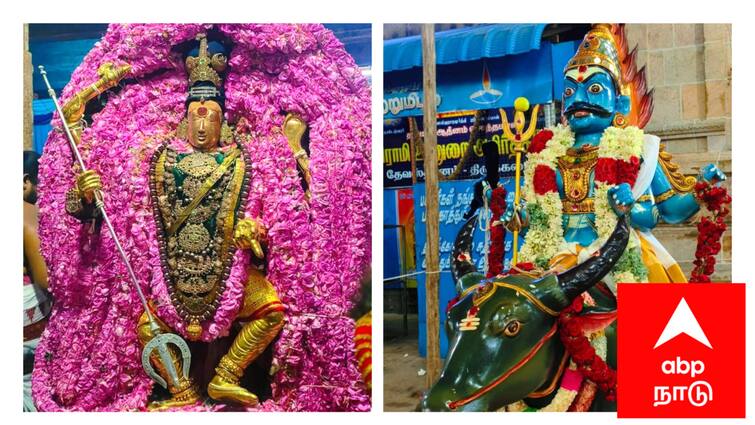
70	116
521	105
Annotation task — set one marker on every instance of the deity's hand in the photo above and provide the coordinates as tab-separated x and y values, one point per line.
250	234
515	218
620	198
712	174
87	183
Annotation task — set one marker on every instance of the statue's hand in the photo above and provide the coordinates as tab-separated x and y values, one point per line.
620	199
250	234
515	218
712	174
87	183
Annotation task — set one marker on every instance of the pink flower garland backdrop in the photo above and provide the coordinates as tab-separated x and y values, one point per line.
89	356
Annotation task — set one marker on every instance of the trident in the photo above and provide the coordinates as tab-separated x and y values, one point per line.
160	341
521	104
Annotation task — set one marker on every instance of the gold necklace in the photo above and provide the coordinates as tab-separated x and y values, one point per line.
198	164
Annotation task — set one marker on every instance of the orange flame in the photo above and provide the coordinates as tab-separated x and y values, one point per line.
641	99
485	77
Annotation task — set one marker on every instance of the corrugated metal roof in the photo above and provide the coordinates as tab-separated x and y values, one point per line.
464	44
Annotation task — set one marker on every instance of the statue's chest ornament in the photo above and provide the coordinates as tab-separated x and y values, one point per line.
195	198
199	164
576	167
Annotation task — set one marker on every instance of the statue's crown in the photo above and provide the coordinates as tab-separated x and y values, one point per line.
206	62
599	48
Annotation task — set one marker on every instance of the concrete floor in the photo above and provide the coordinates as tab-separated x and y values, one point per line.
402	384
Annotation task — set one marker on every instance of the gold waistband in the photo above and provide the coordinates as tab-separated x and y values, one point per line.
586	205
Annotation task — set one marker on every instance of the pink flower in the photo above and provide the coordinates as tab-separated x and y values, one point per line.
89	356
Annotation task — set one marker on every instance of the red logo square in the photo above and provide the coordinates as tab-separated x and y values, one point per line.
681	351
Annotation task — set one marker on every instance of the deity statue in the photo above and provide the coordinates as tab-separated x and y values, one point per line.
572	170
197	184
201	159
593	191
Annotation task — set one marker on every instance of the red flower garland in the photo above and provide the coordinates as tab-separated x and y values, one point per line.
589	364
715	199
544	180
627	171
497	232
615	171
605	170
540	140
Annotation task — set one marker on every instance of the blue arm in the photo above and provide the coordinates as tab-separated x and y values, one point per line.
644	214
673	207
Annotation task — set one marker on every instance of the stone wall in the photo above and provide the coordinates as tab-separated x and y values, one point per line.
689	66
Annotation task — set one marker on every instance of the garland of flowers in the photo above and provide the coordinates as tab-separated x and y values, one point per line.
497	232
715	199
592	365
618	162
571	383
89	356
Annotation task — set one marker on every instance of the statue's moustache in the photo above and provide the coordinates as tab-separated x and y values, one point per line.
589	107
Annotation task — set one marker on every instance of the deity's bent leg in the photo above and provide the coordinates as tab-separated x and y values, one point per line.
185	392
264	311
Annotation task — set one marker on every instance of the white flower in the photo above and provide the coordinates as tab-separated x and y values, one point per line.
545	241
622	143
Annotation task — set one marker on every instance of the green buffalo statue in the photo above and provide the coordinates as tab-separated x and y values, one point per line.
503	337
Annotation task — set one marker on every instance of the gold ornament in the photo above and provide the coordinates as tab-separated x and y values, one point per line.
198	164
182	130
194	238
680	182
194	330
205	67
194	257
576	167
599	48
248	235
619	120
294	128
226	134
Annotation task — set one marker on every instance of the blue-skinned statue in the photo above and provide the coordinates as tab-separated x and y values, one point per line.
593	190
576	175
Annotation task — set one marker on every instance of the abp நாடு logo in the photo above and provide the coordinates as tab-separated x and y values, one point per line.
685	357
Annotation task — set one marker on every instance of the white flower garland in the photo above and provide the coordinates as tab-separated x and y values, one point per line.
545	241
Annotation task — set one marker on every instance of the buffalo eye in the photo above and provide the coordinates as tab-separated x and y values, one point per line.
512	328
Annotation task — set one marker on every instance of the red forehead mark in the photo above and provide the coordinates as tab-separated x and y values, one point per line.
202	111
582	69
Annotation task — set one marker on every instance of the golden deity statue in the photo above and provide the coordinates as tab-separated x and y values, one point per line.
198	184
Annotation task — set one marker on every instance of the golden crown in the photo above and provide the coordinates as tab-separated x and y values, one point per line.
204	67
599	49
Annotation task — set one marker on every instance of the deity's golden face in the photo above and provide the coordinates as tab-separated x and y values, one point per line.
205	120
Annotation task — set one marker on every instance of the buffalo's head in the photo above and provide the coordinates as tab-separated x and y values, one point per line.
502	330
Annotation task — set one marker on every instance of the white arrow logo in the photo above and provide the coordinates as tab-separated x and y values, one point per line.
683	321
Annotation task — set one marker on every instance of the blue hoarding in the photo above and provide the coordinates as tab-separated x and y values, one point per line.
482	84
454	199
